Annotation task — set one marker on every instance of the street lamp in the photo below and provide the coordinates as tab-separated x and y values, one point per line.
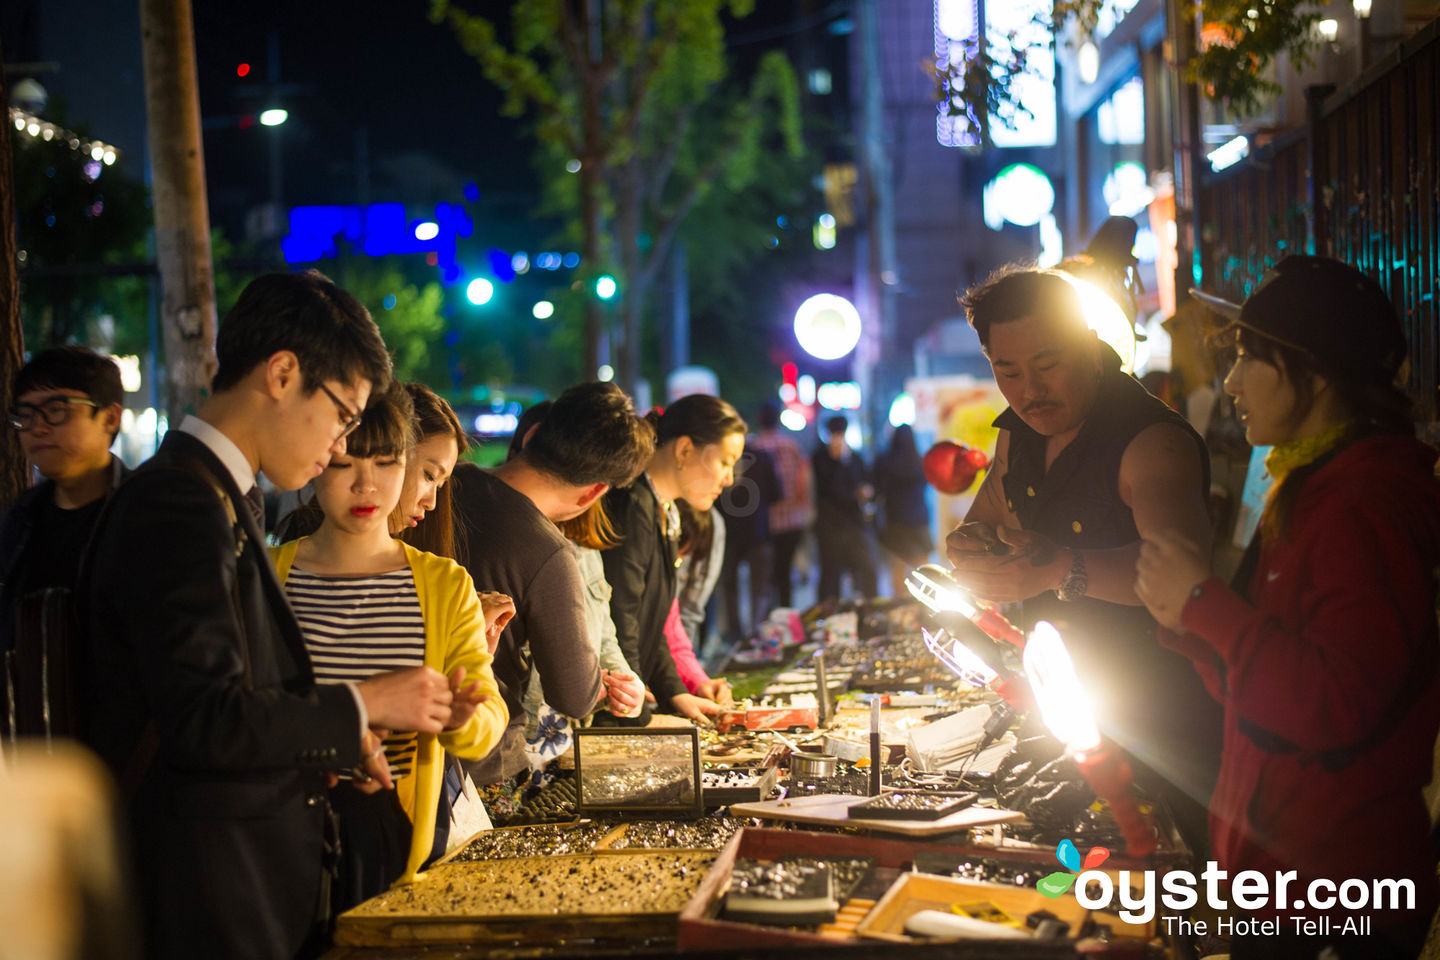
1362	13
274	117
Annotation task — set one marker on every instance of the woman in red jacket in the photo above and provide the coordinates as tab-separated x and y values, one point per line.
1324	651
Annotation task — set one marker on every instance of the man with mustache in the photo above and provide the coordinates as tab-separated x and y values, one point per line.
1086	463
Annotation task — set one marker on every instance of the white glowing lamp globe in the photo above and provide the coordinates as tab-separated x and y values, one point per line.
827	326
1063	703
1107	319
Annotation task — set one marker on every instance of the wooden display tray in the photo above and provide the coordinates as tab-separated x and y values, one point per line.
374	924
701	927
832	809
918	891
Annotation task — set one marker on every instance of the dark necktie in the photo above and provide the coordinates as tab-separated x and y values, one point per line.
256	499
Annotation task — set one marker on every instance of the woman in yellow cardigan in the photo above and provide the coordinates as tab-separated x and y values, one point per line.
369	603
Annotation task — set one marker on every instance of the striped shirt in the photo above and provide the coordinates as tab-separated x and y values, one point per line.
356	627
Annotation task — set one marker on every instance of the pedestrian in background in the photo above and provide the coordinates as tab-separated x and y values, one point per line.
905	517
746	507
842	489
790	512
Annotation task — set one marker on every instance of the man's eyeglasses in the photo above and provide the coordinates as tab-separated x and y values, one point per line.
348	418
54	411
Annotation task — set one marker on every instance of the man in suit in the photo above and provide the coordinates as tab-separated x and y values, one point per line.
200	695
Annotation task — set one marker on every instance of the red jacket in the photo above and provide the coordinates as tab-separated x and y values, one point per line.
1341	624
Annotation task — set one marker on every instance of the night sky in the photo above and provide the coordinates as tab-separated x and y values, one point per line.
378	70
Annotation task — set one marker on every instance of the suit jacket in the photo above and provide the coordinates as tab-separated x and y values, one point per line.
229	815
641	571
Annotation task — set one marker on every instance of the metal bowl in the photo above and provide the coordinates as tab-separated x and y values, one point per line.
809	766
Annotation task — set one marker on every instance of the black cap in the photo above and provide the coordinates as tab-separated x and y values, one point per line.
1327	309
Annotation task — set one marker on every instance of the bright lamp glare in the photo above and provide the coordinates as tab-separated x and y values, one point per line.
480	291
827	326
543	310
1329	29
902	410
1062	700
605	287
1104	316
1229	153
932	586
427	230
960	659
606	373
1087	61
792	420
274	117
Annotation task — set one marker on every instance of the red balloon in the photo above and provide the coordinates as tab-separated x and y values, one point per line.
949	468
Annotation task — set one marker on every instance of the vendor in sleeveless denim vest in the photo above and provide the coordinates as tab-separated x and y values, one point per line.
1086	462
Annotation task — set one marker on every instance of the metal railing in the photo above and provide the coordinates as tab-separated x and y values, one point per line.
1358	181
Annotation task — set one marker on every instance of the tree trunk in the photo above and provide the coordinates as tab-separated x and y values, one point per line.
632	293
12	338
182	220
590	254
591	183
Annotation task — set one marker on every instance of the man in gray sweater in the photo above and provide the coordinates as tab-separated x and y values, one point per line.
590	441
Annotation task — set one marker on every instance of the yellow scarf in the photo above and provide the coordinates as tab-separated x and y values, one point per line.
1285	458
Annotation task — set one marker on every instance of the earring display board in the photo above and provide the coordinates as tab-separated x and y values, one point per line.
650	772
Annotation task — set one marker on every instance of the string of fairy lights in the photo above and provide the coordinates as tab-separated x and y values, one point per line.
98	150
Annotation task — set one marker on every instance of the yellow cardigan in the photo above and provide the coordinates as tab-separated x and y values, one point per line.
454	637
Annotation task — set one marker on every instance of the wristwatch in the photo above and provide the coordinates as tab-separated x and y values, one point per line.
1075	583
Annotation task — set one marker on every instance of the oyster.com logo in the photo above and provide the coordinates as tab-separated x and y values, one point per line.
1059	882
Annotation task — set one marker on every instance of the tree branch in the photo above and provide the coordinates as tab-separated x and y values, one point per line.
667	227
670	155
629	125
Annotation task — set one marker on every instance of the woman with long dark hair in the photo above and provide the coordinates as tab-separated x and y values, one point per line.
1323	653
697	441
424	518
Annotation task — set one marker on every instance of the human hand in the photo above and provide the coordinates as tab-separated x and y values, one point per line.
1170	567
1032	564
466	697
417	698
624	691
695	708
499	610
373	774
973	537
717	689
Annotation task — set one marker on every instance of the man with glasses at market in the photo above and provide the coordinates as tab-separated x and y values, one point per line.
66	408
199	694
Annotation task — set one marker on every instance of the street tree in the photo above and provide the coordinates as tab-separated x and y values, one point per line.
631	98
1232	67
